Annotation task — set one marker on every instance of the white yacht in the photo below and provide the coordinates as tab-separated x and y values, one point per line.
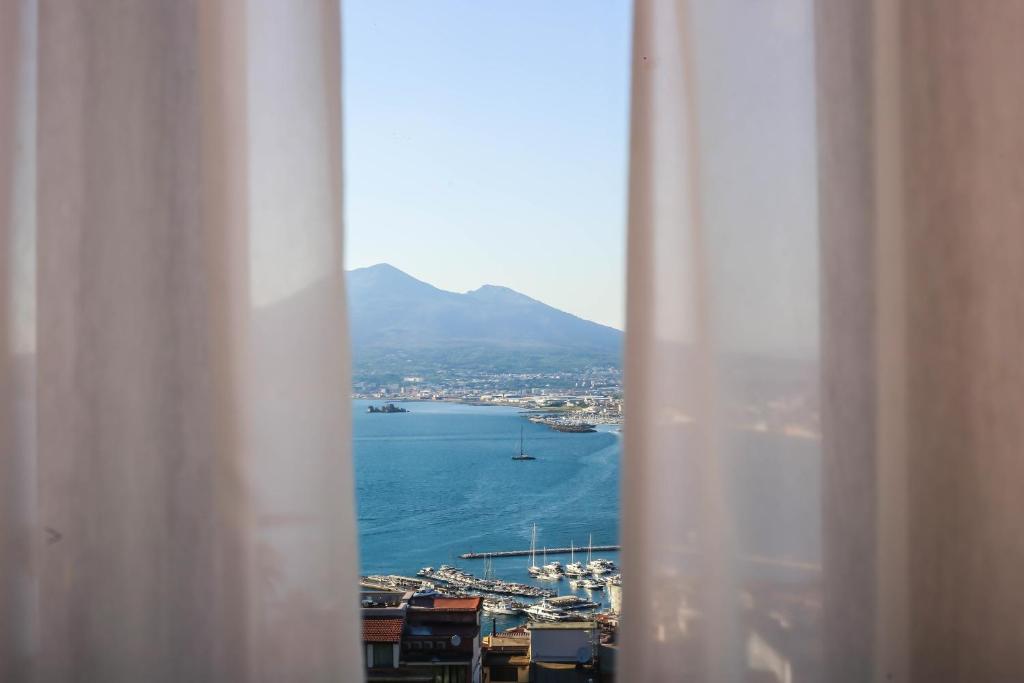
592	585
504	606
544	612
572	603
554	567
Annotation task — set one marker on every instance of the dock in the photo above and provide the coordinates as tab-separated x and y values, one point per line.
455	578
393	582
549	551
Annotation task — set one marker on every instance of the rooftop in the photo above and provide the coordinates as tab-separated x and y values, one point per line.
458	604
497	644
515	632
383	599
563	626
382	630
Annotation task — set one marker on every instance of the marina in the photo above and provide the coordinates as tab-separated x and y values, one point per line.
499	602
453	582
461	580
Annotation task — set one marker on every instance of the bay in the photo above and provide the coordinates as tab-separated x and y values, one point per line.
439	481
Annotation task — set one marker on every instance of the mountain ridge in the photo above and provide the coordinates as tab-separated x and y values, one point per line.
401	325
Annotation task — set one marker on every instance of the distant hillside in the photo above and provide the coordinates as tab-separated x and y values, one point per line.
401	325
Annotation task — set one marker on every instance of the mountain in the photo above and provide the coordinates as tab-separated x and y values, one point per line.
401	325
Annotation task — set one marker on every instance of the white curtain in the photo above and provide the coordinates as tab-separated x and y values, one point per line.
824	449
822	468
175	479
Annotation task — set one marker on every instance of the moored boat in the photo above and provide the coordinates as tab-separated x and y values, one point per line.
544	612
508	607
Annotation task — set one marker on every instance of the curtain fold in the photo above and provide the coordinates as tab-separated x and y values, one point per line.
823	441
822	457
178	442
18	623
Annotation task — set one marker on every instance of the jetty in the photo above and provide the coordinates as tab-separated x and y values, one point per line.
550	551
454	577
394	582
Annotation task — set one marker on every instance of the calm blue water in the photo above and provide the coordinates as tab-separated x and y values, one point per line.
439	481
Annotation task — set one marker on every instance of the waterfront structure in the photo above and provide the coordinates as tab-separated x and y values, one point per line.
383	615
442	637
506	656
415	636
456	579
564	651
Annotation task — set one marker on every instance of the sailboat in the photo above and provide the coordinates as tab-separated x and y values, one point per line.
552	571
574	568
533	569
522	454
597	566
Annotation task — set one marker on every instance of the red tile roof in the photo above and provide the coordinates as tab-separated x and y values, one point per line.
515	632
382	630
467	604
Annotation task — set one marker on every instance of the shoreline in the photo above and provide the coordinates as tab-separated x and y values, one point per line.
557	418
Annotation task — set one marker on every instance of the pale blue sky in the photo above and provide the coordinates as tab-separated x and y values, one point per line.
486	143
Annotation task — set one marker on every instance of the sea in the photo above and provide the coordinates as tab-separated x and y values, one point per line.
439	481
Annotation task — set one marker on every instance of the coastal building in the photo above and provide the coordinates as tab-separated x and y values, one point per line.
383	623
564	652
506	656
442	637
410	637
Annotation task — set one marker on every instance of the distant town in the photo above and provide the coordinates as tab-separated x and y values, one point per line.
565	400
559	399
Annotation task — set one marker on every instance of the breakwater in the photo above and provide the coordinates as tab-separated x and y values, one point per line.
549	551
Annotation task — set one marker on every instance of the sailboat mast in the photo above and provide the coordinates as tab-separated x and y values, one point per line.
590	548
520	439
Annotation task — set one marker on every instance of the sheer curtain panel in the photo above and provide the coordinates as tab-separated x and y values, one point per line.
822	466
175	481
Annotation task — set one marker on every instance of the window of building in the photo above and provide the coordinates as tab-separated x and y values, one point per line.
450	674
504	673
382	656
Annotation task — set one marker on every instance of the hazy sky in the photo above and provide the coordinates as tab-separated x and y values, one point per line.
486	143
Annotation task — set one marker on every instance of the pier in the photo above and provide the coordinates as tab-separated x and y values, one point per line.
393	582
549	551
454	577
